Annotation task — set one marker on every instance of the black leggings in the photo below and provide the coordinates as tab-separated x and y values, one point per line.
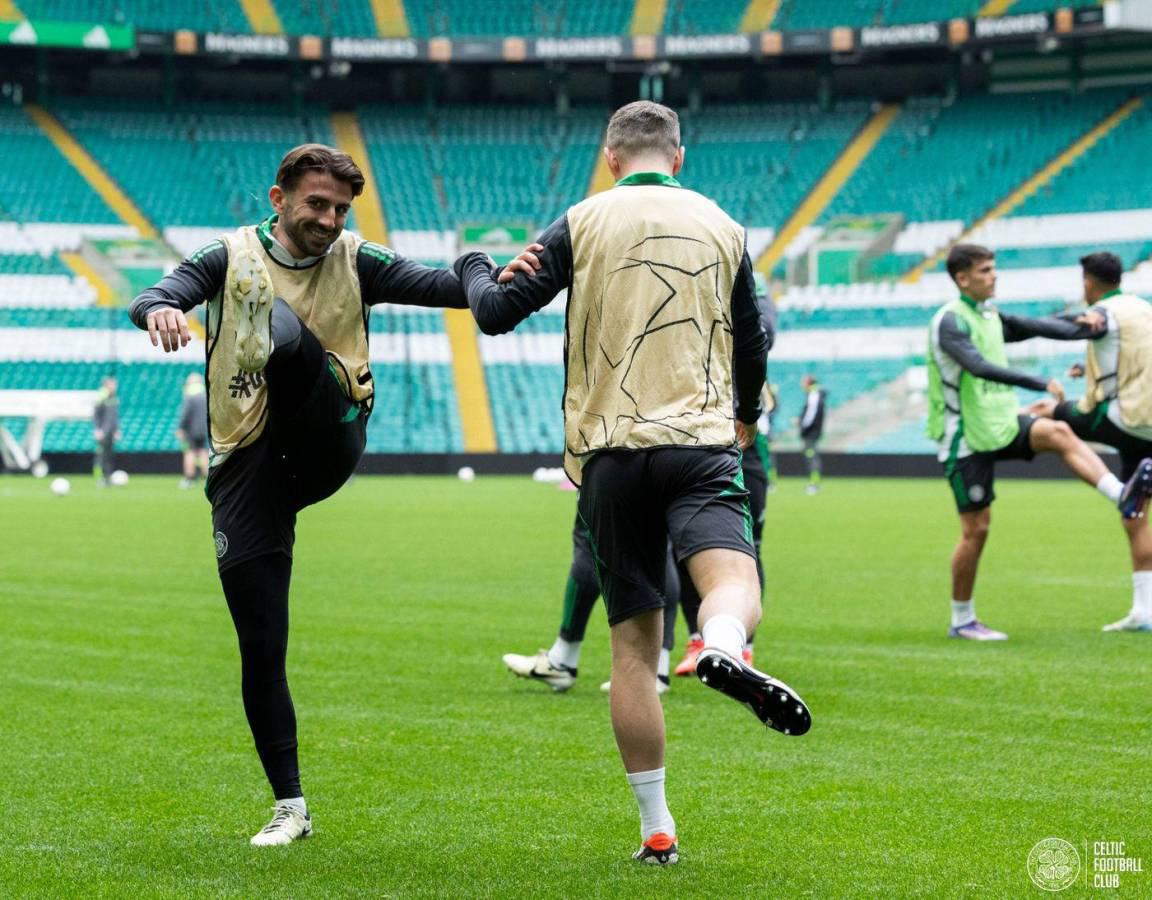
310	447
257	594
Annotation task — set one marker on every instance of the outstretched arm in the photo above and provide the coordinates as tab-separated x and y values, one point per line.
501	307
1057	328
387	277
956	343
160	309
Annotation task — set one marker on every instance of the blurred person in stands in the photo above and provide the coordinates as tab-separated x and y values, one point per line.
106	430
289	391
975	418
661	325
192	432
1116	409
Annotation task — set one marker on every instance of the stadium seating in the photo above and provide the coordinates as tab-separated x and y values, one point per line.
36	183
704	16
159	15
567	18
463	164
1027	6
1110	176
200	164
31	264
758	161
343	18
953	161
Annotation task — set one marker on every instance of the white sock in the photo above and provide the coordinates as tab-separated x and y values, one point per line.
296	803
654	816
963	613
1111	487
565	653
1142	594
725	632
665	665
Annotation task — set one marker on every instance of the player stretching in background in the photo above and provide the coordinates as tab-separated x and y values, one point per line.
1116	409
974	417
557	666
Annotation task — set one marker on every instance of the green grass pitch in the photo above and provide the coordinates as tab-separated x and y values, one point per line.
932	768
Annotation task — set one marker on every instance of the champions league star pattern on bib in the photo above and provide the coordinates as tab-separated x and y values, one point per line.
675	346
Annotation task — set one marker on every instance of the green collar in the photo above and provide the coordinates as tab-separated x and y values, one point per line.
648	178
1111	294
969	301
278	252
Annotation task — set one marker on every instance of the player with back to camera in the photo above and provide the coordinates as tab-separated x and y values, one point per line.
975	418
289	395
1116	409
661	320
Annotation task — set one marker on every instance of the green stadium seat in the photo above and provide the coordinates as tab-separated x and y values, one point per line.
704	16
560	18
201	164
157	15
37	184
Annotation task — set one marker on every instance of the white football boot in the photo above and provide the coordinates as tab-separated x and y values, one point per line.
540	668
288	824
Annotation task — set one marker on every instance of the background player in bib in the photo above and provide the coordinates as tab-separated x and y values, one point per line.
975	418
1116	409
661	321
192	432
289	394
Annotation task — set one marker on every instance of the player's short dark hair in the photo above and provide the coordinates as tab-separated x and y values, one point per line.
963	257
319	158
1105	267
643	128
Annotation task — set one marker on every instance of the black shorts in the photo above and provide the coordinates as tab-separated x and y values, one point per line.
1099	429
257	491
633	502
195	442
972	478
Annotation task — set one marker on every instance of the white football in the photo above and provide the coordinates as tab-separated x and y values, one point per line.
466	473
119	478
61	486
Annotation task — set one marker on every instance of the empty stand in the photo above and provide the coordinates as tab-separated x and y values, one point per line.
161	15
561	18
199	165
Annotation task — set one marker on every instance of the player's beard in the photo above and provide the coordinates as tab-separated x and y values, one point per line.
308	239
